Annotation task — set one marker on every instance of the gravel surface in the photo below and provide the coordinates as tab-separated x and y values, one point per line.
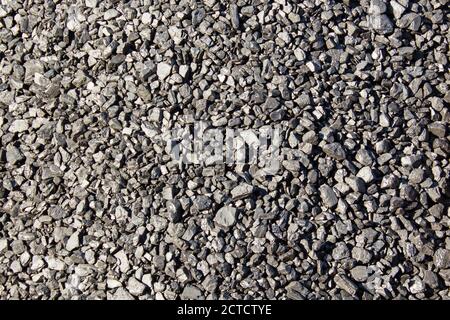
93	204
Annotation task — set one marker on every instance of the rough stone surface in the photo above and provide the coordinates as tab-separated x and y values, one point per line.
335	179
19	126
226	216
163	70
329	198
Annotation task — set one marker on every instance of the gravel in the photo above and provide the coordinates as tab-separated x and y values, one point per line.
95	205
163	70
226	216
18	126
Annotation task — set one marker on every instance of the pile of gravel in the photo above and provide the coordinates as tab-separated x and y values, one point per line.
93	205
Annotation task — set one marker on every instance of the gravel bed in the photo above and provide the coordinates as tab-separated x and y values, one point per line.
93	204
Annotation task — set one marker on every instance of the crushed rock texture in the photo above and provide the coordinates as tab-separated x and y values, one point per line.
93	206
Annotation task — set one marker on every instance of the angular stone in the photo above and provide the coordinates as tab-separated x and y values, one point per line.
3	245
381	23
366	173
73	242
57	213
163	70
431	279
202	203
57	264
344	283
191	292
120	294
242	191
13	155
416	286
299	54
328	196
176	34
438	129
397	9
174	210
377	7
18	247
18	126
124	264
135	287
312	66
359	273
341	251
411	21
198	15
442	258
111	14
303	101
362	255
334	150
91	3
226	216
292	165
357	184
295	291
365	157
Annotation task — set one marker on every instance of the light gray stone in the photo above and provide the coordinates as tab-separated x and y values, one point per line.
242	191
73	242
135	287
191	292
18	126
226	216
163	70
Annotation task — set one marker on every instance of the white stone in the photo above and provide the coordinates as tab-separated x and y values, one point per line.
37	263
13	154
111	14
91	3
300	54
3	244
191	292
366	174
397	9
176	34
210	3
146	18
312	66
163	70
285	37
135	287
417	286
55	264
147	280
183	70
149	132
113	283
18	126
73	242
124	264
250	137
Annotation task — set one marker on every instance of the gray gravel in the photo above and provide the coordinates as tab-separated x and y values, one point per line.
94	206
